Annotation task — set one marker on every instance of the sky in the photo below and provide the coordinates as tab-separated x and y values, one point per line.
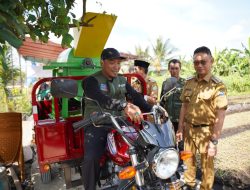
187	23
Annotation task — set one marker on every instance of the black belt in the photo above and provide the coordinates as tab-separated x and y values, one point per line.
201	125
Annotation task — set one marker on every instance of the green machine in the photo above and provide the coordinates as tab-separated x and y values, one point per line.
84	58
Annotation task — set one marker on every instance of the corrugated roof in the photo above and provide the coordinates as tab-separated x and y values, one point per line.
48	51
129	56
39	50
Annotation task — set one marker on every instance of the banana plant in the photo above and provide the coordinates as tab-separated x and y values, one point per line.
232	61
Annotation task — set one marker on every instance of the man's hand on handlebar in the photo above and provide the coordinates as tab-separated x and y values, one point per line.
151	100
160	110
133	112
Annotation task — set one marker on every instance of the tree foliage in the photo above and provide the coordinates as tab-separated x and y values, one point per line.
8	74
37	18
233	61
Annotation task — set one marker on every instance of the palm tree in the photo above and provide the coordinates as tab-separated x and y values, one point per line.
232	61
162	51
142	53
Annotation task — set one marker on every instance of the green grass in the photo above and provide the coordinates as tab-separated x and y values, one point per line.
236	85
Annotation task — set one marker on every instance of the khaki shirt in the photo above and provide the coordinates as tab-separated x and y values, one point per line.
204	97
152	87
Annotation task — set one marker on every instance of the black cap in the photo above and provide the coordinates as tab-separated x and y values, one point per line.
111	53
141	63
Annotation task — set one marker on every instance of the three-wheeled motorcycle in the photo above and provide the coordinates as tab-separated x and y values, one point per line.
55	139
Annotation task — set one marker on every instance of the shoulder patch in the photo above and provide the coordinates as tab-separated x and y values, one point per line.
103	87
189	78
216	80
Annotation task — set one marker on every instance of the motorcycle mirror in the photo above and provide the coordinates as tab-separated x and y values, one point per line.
64	88
168	86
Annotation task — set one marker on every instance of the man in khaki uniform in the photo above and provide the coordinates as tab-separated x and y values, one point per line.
204	103
141	68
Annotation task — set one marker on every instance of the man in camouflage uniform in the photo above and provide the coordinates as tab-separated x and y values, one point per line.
204	103
172	102
141	68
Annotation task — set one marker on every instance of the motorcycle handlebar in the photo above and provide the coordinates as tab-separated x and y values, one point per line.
101	118
96	118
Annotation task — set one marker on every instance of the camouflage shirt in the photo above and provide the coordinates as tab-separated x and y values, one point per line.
152	87
172	102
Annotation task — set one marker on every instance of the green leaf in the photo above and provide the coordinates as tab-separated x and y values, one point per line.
66	40
1	50
31	18
73	15
10	38
37	32
76	22
18	27
2	18
44	38
32	35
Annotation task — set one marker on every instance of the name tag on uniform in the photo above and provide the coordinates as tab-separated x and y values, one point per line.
121	85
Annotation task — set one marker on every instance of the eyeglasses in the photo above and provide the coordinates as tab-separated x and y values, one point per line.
202	62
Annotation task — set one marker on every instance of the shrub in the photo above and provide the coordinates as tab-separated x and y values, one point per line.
17	101
237	84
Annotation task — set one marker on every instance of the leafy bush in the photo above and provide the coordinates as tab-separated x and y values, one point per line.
237	84
18	101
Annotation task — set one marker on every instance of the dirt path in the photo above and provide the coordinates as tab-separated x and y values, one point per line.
232	161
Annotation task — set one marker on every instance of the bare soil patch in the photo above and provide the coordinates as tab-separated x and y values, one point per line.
233	161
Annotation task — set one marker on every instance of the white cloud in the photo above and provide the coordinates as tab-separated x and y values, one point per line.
188	24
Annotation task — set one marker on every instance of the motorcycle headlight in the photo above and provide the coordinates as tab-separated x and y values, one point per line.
165	163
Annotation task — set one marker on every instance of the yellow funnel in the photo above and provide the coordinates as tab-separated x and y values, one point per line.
90	41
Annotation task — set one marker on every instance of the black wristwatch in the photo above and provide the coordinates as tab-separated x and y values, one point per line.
214	141
123	104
